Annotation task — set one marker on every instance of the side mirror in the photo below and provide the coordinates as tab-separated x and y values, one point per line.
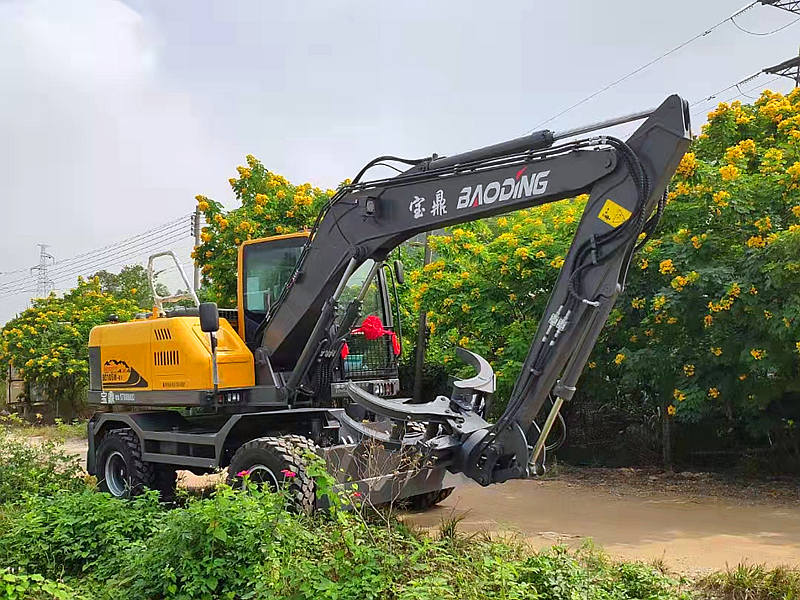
209	317
399	274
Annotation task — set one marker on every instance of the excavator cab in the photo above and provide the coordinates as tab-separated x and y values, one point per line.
265	266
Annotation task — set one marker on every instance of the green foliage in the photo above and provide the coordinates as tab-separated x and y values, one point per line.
753	582
710	322
489	283
131	283
21	586
48	343
73	533
78	543
270	205
28	469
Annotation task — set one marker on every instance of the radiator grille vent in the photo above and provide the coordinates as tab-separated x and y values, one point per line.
166	358
162	333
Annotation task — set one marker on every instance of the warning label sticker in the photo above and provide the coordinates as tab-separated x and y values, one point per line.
613	214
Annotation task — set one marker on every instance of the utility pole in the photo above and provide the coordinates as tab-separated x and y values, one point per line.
792	6
788	68
196	234
44	284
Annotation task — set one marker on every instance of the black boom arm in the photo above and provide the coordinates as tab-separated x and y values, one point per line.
625	182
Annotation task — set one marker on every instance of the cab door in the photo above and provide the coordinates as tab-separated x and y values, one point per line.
265	266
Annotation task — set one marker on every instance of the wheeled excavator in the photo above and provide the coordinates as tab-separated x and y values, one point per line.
307	361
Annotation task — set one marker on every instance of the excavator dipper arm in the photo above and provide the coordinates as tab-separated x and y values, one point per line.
626	183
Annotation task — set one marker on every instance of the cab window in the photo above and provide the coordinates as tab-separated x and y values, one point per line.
267	267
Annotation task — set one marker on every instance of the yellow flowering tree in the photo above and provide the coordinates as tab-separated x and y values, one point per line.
710	321
48	343
269	205
489	283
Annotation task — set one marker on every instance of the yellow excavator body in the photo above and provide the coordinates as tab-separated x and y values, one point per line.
169	354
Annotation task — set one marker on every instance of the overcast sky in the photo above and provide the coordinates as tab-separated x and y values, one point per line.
113	115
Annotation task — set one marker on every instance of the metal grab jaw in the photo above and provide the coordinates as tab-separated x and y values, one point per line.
461	413
456	432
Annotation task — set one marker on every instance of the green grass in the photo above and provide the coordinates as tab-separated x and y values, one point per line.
752	582
59	538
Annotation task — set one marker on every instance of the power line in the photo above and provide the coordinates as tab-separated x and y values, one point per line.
93	254
730	87
88	269
648	64
729	98
146	238
133	258
181	221
774	31
136	246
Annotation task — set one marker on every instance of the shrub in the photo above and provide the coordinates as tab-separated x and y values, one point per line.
22	586
41	469
75	532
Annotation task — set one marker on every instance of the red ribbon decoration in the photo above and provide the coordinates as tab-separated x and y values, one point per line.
372	328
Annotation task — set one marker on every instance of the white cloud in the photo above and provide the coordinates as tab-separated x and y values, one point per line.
95	146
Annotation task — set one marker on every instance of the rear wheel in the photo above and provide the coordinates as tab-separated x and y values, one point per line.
121	470
278	463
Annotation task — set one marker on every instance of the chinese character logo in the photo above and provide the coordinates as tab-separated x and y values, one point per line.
439	207
416	207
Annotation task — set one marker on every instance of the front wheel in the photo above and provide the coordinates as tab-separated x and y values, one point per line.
120	469
278	463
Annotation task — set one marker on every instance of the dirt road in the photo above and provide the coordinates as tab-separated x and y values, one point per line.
692	522
690	534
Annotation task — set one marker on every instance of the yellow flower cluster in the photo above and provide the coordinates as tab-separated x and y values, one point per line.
681	189
772	162
740	151
637	303
715	350
619	358
775	107
756	241
659	302
671	410
729	172
721	198
688	165
688	370
758	353
794	171
763	224
713	392
721	109
678	395
680	282
727	301
665	267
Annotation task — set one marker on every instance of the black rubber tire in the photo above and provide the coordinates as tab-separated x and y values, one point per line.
137	475
429	499
277	454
